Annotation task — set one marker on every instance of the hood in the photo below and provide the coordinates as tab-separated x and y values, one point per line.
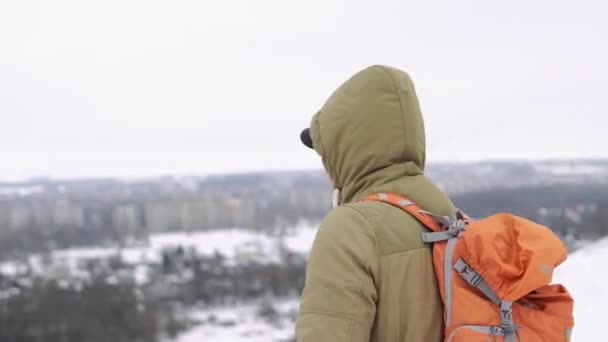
370	131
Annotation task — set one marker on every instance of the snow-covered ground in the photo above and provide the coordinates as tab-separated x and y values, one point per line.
233	244
243	323
585	274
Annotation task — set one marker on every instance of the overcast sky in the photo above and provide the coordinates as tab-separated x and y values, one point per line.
144	88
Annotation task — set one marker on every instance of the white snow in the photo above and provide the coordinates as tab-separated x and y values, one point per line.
135	256
231	243
141	274
585	274
241	323
234	244
566	169
73	254
8	268
301	240
225	242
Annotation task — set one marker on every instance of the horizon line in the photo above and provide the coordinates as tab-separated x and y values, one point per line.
168	175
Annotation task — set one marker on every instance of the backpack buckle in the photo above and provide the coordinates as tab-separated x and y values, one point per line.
452	224
496	331
456	226
504	329
509	328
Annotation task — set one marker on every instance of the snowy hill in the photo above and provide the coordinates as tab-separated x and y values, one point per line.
585	274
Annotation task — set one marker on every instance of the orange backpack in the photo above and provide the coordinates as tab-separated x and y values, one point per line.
494	276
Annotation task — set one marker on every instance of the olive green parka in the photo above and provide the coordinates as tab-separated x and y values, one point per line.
369	276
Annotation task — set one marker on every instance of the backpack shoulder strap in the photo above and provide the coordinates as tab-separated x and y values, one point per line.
443	227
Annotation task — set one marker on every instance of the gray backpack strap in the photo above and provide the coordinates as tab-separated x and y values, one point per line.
506	321
507	326
475	280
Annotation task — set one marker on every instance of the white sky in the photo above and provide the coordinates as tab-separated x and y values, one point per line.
142	88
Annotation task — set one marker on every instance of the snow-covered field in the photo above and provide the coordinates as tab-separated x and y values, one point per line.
585	274
234	244
243	323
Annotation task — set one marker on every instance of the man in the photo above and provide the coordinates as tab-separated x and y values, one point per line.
370	277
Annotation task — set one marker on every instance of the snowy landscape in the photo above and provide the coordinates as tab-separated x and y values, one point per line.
223	258
584	273
236	245
266	318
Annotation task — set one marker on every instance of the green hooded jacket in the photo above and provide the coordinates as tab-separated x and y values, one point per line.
369	276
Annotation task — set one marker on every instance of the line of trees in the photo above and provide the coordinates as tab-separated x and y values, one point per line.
97	313
598	224
108	309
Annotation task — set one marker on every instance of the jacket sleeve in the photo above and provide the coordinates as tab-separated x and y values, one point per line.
339	298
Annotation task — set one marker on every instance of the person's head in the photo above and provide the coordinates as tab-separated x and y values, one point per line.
369	131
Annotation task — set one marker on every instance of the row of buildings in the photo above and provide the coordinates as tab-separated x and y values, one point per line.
213	204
